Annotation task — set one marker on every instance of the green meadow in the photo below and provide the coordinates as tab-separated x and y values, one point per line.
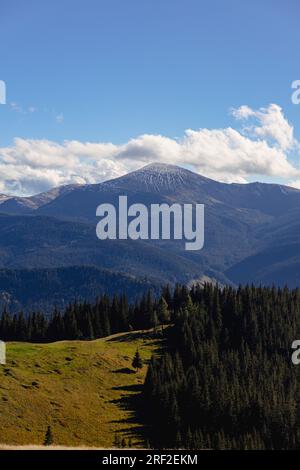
85	390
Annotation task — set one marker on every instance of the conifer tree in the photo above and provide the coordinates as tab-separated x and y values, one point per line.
163	311
48	437
137	362
117	440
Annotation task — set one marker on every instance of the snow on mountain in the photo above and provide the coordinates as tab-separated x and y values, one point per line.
244	224
23	205
157	177
4	197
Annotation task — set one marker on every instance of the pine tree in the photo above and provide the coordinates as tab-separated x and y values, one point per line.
123	443
163	311
154	320
137	362
117	440
48	437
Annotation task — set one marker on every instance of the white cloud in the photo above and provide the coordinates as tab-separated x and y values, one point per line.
261	148
243	112
272	124
294	184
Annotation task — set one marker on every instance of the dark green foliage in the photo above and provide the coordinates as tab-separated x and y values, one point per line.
137	362
117	440
225	380
48	437
163	311
82	320
123	443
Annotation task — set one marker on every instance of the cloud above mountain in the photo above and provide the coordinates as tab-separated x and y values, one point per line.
260	145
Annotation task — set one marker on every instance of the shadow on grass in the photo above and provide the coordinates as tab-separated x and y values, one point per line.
124	370
136	388
133	427
134	336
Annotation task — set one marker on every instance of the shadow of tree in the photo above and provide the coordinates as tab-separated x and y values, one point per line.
133	403
144	335
137	388
134	426
124	370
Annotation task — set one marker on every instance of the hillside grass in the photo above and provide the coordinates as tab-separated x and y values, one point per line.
84	389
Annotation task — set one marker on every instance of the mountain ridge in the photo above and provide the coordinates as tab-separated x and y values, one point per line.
155	176
242	223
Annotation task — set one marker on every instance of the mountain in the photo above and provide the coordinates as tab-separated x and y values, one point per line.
277	261
46	242
237	216
251	230
27	205
35	289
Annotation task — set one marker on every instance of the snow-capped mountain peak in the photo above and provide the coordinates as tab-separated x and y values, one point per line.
156	177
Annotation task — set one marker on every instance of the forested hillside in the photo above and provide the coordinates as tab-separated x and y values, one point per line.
42	289
227	380
86	320
224	380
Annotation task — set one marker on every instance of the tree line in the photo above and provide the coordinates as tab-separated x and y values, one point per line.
85	320
225	379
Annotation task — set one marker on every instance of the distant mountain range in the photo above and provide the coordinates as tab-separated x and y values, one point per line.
41	289
251	231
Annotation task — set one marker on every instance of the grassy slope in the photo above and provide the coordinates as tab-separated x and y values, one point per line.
82	389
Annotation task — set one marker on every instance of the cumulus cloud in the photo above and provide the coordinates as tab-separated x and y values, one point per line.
271	124
261	147
294	184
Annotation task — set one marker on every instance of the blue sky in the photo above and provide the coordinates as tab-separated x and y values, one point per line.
112	70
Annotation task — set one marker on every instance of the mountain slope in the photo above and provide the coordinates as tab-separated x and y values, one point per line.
241	221
45	242
40	289
157	182
237	216
27	205
78	387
